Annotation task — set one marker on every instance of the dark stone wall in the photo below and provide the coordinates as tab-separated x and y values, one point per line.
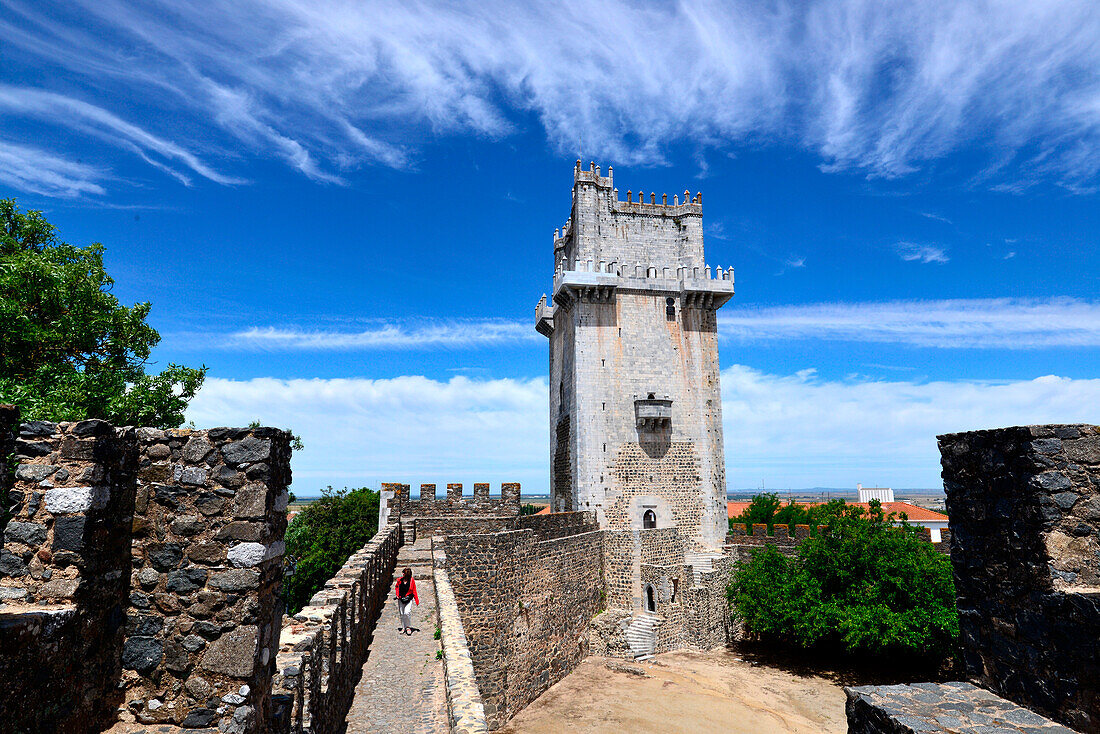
64	575
202	623
526	605
139	577
9	428
935	708
1024	505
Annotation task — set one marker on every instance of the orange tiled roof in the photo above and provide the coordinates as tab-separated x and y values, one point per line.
914	513
544	511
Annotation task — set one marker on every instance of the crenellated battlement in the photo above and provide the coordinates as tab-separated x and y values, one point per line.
663	230
597	280
643	270
591	176
397	503
782	537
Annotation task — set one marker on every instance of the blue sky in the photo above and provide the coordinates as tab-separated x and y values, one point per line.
345	211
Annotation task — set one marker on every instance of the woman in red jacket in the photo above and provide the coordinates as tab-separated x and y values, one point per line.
406	595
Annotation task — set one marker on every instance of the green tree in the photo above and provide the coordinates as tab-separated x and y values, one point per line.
70	350
323	536
865	585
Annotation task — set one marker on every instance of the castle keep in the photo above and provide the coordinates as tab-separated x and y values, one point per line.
635	402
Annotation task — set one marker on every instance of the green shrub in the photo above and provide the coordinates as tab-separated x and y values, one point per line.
529	509
865	586
323	536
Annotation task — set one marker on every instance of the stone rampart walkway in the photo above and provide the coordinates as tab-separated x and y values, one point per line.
402	688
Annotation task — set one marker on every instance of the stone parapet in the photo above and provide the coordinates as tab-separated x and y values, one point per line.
9	429
71	504
396	503
464	705
203	622
323	647
1024	504
782	539
63	572
935	708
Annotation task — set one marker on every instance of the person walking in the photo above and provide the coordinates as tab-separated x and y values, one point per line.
405	592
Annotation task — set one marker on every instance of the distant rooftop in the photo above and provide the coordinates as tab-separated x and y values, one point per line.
914	513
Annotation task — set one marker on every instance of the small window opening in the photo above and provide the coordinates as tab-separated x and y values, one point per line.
670	308
603	363
650	601
675	588
651	397
649	520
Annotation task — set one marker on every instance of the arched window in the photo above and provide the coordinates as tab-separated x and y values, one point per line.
650	599
649	520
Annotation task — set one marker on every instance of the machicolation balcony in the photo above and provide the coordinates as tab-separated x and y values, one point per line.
652	412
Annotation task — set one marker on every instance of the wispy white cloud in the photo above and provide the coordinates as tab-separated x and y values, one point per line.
998	323
106	126
983	323
883	87
789	430
796	262
37	171
427	335
937	217
913	252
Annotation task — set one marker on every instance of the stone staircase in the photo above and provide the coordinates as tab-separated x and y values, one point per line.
641	635
418	557
700	563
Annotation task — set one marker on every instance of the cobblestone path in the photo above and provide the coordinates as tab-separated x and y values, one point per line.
402	689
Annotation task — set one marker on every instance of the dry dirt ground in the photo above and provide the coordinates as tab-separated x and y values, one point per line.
684	692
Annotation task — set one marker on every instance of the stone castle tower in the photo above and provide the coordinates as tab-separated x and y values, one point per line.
635	401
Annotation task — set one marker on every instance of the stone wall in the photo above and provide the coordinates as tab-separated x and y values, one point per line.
1024	505
202	627
430	527
525	605
464	706
323	647
554	525
63	575
939	708
783	541
689	592
9	423
139	577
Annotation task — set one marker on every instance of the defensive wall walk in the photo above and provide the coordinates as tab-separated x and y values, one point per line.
402	687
